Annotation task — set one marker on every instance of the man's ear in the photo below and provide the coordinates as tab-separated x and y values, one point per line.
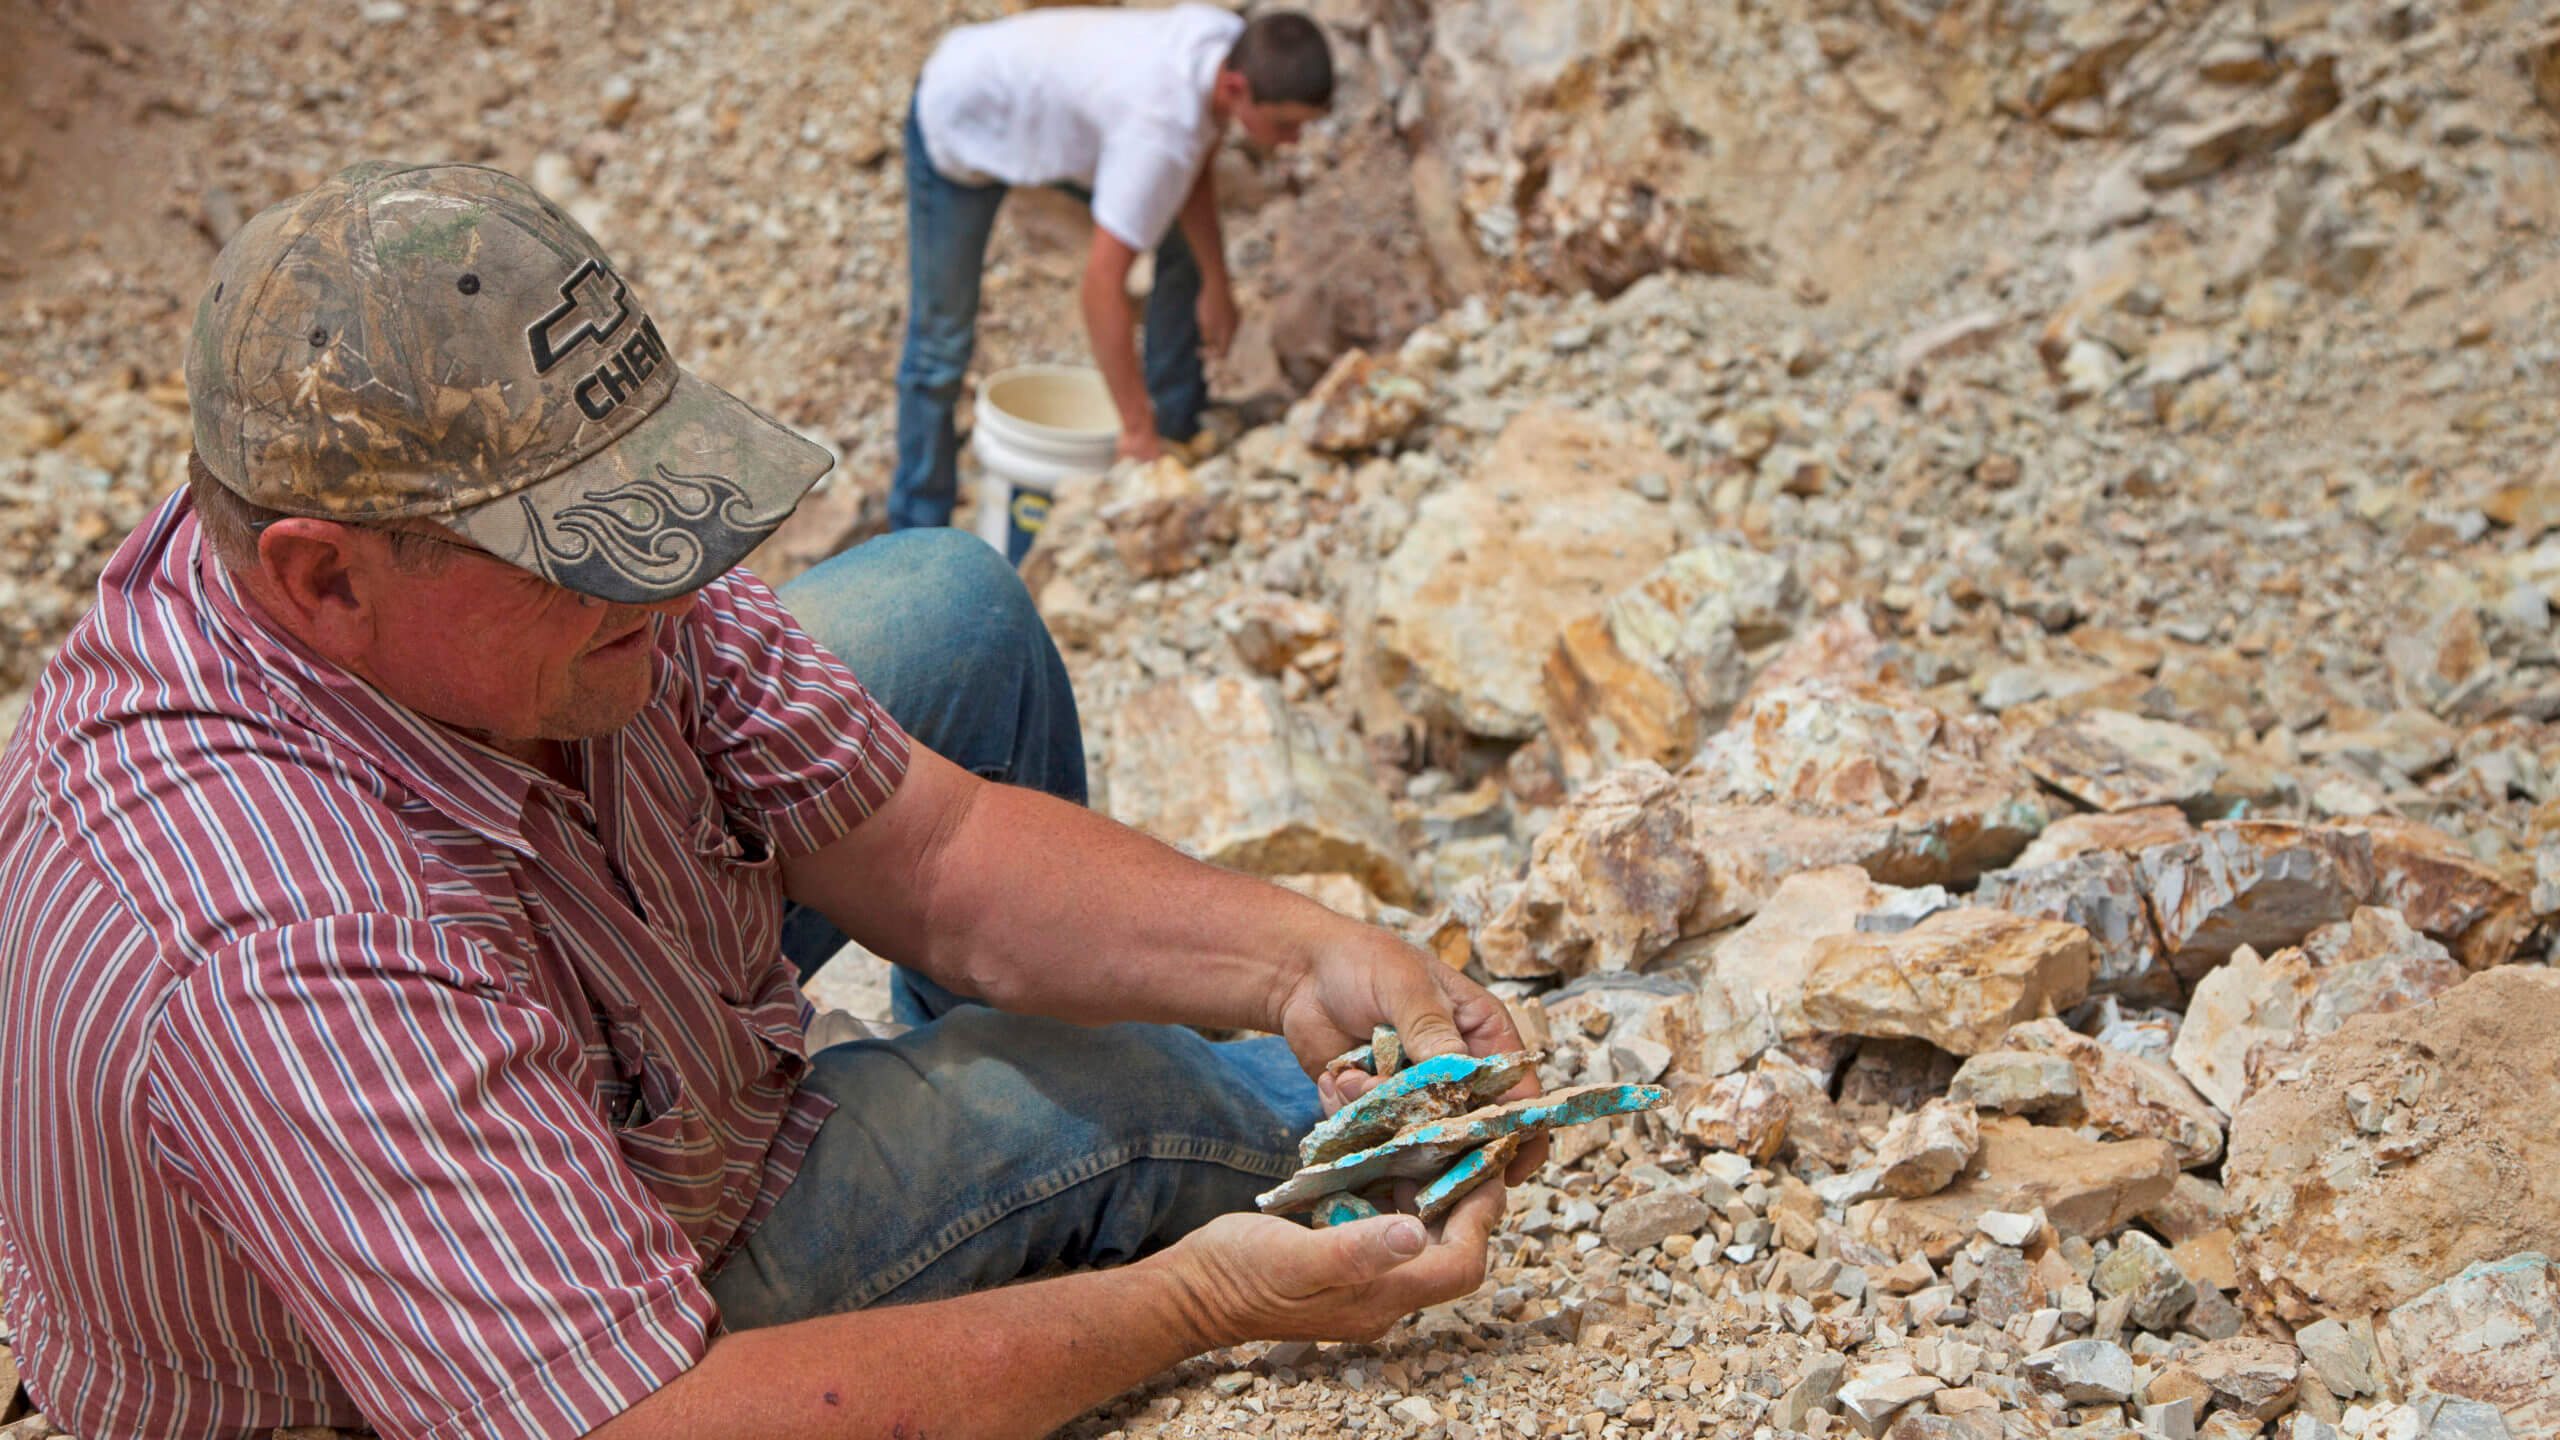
312	577
1231	93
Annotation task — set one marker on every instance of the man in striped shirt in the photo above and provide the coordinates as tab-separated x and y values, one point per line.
398	1026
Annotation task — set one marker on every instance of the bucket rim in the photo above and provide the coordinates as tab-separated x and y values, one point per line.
1034	371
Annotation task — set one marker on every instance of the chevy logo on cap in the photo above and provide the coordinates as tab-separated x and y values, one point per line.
594	304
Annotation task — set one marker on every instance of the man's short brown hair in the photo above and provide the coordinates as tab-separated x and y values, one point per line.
1285	60
231	525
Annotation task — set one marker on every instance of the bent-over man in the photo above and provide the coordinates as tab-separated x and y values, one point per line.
397	1021
1124	107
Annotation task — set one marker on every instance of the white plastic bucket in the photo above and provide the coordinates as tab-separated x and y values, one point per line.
1036	425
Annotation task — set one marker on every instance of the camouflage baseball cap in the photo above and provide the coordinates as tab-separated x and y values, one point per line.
441	341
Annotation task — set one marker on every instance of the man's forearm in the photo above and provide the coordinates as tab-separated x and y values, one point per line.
1110	328
1047	908
1013	1362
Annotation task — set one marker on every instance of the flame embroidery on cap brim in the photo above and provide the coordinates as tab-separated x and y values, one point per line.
652	532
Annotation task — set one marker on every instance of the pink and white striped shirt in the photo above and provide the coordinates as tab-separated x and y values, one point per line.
351	1072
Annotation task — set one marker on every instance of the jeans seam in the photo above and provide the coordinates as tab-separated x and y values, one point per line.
976	1222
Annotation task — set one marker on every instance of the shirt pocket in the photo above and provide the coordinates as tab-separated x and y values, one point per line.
662	1134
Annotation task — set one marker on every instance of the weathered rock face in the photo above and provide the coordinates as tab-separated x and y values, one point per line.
2101	893
1550	177
1273	631
1958	979
1223	769
2409	1146
1163	520
2087	1188
2115	761
2263	884
1747	1114
1661	664
2490	1333
2125	1095
1470	600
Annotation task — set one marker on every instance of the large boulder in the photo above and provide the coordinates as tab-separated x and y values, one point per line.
2400	1149
1958	979
1544	531
1223	769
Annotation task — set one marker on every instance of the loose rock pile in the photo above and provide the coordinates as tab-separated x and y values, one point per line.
1969	598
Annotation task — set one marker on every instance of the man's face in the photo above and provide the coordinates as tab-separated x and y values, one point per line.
1274	125
500	652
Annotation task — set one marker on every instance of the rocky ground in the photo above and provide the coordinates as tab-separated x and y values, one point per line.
1965	587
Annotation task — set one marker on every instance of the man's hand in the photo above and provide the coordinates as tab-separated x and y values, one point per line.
1217	316
1257	1277
1369	978
1141	443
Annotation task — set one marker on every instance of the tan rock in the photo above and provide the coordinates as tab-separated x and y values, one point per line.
2373	964
1745	1113
1822	748
2087	1188
1769	956
1815	1127
1163	521
2129	831
1608	883
2101	893
2410	1145
2125	1095
1842	648
1638	861
2115	761
2430	879
1958	979
1224	769
1470	601
1661	664
2264	884
1924	1150
2249	1376
2240	1006
1271	630
1361	404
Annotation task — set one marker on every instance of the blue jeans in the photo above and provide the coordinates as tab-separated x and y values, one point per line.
979	1146
947	228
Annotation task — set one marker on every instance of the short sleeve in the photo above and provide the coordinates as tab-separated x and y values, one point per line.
1139	186
789	736
483	1262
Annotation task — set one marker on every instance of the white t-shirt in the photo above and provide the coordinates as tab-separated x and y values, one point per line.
1115	100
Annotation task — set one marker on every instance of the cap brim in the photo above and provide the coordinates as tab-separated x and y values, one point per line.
662	511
